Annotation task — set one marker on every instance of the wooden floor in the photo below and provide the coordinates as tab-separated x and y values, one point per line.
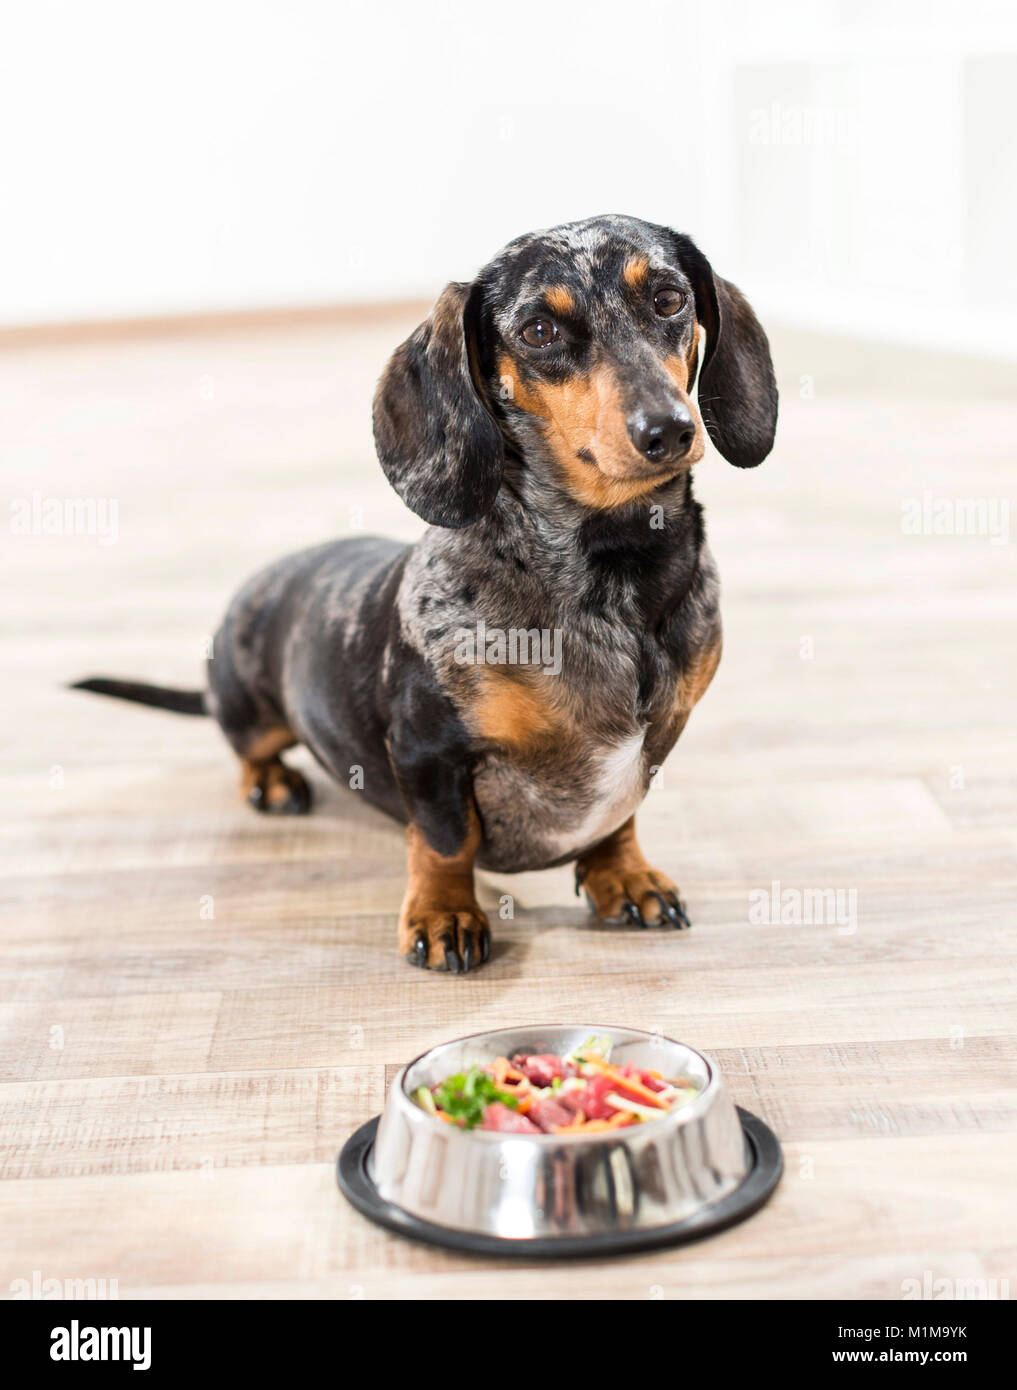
176	1084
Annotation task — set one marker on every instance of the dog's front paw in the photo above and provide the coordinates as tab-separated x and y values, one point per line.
454	939
616	889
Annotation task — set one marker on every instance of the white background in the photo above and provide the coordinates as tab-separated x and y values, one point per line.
853	164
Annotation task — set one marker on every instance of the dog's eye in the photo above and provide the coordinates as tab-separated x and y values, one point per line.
539	333
668	301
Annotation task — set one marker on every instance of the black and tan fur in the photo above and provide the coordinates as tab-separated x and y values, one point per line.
556	480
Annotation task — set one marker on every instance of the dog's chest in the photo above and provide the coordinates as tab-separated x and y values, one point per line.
618	782
566	774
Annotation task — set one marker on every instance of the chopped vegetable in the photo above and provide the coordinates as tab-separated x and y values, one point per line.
599	1048
633	1108
425	1100
465	1097
539	1093
631	1083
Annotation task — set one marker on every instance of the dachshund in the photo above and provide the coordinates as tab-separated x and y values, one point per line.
508	686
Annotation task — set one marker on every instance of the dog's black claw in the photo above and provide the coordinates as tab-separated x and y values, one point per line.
580	875
467	954
452	959
485	946
676	913
419	954
634	915
672	911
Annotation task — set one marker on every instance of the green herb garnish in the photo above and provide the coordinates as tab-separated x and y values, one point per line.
465	1097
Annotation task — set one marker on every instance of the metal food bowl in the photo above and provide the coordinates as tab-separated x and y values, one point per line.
695	1170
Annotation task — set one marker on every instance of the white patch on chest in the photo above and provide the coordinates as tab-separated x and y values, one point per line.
620	789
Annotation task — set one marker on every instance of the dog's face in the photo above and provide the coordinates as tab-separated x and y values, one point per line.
577	347
593	339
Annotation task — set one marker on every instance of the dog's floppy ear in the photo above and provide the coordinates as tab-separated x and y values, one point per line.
439	445
737	390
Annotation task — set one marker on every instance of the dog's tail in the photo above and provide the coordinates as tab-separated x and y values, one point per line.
161	696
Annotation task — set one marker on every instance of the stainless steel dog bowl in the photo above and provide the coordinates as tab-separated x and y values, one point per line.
693	1171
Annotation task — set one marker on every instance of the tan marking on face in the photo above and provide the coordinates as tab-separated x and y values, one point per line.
678	370
586	413
692	360
635	271
560	300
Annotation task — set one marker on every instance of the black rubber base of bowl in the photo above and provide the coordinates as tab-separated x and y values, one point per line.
762	1178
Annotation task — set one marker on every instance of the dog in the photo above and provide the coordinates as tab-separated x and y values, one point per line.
541	422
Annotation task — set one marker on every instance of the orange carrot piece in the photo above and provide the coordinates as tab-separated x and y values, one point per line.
636	1087
504	1074
578	1122
623	1118
600	1126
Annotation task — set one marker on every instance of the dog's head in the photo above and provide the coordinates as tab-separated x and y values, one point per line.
576	348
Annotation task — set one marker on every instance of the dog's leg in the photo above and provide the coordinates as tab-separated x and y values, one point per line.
618	881
441	925
265	780
254	730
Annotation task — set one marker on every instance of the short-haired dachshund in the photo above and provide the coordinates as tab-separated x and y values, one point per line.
509	685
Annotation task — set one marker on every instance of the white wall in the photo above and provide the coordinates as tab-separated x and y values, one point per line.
178	157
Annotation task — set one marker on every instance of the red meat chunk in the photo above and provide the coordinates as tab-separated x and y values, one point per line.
540	1069
574	1100
500	1117
597	1090
652	1083
547	1114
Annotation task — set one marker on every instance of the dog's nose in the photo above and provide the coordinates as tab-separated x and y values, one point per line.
662	436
